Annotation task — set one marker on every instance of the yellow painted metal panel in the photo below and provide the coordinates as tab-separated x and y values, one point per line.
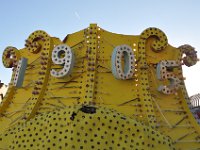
92	109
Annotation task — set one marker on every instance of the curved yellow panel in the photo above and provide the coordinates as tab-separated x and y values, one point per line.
98	90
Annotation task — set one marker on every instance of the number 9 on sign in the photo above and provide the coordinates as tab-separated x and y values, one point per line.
62	55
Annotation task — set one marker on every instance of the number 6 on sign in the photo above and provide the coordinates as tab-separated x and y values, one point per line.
62	55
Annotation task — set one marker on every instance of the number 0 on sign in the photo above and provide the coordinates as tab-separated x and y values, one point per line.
123	53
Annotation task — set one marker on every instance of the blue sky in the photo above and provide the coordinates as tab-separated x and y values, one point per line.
179	19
